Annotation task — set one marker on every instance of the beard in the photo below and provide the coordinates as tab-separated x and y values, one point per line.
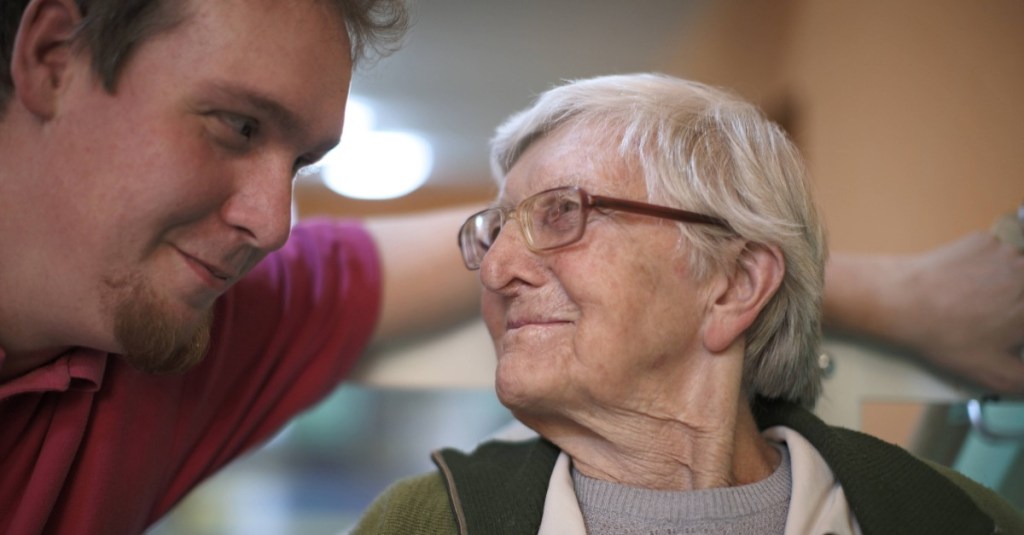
152	339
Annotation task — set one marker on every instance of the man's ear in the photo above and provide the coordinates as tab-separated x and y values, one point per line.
42	53
741	293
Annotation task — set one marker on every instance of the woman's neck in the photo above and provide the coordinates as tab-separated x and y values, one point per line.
705	436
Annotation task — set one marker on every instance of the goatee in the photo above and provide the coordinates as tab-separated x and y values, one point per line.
153	340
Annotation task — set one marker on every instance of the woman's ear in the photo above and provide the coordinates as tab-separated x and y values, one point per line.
741	293
42	54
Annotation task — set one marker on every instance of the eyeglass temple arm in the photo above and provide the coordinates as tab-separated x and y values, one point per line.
655	210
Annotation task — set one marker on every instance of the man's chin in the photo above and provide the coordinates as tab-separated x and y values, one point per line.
153	342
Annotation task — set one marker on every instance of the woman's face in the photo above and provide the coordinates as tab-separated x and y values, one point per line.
607	321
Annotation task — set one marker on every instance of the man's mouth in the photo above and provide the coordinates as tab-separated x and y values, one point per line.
216	277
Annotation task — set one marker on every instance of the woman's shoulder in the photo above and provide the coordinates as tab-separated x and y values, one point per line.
417	504
1007	518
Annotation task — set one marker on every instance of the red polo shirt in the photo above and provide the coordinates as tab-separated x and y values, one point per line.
89	445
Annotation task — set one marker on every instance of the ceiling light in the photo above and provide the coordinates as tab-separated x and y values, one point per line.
375	164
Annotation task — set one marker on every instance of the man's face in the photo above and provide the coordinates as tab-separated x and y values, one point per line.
161	196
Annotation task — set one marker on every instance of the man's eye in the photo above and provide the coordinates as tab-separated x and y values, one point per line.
240	125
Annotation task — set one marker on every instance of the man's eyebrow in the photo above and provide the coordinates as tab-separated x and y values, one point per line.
292	126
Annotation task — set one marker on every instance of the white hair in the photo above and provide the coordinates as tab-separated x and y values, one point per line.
706	150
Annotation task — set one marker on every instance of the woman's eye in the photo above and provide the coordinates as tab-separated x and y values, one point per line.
301	163
492	235
568	206
564	208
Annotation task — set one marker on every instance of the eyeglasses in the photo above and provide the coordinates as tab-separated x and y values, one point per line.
555	218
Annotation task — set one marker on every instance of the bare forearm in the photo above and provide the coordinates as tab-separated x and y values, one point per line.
960	307
426	286
860	296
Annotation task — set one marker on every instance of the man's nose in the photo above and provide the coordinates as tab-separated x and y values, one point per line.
260	205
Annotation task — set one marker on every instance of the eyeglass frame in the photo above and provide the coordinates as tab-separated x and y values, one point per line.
589	202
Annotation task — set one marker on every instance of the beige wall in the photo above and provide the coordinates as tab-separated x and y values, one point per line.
909	111
314	199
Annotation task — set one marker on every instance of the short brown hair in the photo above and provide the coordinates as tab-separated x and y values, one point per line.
112	29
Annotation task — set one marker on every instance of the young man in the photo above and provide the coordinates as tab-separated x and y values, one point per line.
147	151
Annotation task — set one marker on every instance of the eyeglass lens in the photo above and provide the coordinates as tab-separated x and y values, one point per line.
549	219
555	218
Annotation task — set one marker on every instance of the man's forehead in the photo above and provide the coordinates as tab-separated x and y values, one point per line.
288	56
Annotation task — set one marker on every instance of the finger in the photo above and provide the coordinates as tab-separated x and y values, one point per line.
1005	376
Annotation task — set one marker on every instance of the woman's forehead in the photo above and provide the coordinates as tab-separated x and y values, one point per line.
621	185
570	157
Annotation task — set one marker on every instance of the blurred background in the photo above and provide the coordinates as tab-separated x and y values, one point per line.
907	111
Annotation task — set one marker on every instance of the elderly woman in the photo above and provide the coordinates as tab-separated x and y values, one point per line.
652	274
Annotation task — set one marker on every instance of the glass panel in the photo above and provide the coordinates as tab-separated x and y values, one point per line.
325	469
987	446
322	472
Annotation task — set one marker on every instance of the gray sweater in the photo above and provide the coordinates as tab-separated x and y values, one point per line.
759	508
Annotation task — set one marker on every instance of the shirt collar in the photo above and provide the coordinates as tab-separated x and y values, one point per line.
78	369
